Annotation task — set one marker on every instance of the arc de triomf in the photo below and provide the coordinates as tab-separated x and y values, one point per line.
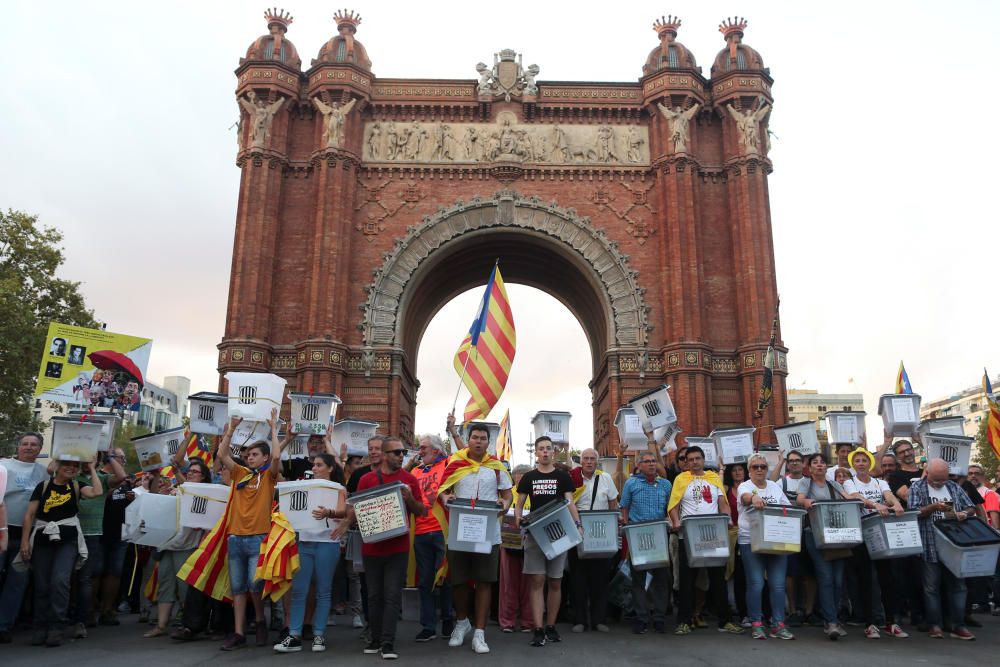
367	203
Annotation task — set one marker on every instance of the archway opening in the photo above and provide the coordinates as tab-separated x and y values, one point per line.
552	369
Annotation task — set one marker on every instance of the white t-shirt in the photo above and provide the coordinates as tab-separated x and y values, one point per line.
771	494
693	501
875	490
606	492
484	485
942	495
22	478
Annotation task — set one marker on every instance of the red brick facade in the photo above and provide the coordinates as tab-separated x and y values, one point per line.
350	237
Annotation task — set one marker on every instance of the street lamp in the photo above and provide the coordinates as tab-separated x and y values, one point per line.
530	447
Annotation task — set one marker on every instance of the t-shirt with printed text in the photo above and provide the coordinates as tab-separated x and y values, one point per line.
544	487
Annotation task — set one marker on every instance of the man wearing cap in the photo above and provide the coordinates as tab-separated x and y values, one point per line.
428	540
938	497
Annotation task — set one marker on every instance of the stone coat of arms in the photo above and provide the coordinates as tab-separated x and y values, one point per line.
507	78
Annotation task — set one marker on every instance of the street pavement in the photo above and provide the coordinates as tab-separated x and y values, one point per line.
124	645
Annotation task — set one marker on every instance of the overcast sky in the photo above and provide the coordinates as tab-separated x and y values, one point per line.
117	130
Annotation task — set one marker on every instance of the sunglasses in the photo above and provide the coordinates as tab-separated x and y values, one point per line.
900	452
758	467
397	452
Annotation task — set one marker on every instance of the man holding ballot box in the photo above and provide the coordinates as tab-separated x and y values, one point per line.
249	523
473	474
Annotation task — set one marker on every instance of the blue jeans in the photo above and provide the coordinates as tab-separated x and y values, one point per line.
14	583
936	578
754	566
428	548
829	578
319	559
243	553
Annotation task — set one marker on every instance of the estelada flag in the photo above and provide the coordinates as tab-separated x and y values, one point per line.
486	354
903	381
993	418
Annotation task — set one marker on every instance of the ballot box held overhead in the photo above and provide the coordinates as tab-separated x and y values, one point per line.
967	548
312	412
209	413
955	450
654	407
553	529
354	433
254	395
798	437
202	505
648	544
706	539
472	525
630	431
298	499
156	449
76	440
111	420
900	413
600	534
892	536
776	529
836	524
381	512
942	426
735	445
845	427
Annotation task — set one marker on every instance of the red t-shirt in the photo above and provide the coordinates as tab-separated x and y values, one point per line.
399	544
429	481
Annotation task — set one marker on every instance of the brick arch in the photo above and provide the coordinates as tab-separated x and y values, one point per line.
622	306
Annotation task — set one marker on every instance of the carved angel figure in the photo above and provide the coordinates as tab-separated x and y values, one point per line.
261	114
679	122
530	87
333	121
748	124
485	76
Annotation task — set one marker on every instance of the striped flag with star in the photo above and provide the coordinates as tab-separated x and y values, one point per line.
486	354
993	418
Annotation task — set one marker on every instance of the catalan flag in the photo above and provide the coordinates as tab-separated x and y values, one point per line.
993	418
505	448
197	448
207	569
767	384
279	558
486	354
903	381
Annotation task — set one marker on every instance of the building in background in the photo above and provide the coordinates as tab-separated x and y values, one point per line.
810	405
969	403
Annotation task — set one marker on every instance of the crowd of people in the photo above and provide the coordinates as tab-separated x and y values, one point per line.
61	538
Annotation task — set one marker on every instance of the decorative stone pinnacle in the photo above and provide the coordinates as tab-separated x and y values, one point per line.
666	24
733	26
279	17
347	17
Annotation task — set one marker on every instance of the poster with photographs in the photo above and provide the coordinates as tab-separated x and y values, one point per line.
92	367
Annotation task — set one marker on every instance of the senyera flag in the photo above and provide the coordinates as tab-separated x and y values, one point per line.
486	354
505	448
993	418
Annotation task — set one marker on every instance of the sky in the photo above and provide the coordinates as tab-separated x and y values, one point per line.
118	129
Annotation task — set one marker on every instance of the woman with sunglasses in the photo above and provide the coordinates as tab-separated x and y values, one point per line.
829	573
757	492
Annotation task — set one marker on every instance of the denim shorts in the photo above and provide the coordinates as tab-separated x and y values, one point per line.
243	553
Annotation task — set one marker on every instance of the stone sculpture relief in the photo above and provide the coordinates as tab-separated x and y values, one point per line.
505	140
261	114
680	124
748	123
333	121
507	78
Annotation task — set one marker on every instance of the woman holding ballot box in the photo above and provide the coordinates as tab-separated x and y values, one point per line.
829	573
53	543
757	492
877	497
317	562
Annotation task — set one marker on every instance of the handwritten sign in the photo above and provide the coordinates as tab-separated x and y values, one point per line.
380	514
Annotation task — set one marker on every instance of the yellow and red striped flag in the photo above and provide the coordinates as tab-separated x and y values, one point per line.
207	569
504	446
486	354
198	448
279	558
993	418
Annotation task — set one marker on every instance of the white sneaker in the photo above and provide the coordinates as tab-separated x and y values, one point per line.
479	644
319	644
458	634
358	622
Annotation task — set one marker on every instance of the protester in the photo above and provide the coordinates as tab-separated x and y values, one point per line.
644	498
876	497
250	521
699	491
757	492
88	577
474	475
54	544
346	572
318	556
842	450
375	445
829	573
541	486
588	595
428	541
938	497
386	561
733	476
515	592
799	575
907	573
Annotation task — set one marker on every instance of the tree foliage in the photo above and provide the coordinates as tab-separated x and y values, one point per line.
31	296
985	456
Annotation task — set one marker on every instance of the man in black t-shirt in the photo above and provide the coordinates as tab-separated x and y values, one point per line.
543	485
375	459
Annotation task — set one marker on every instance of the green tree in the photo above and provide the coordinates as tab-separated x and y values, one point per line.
123	439
31	296
985	456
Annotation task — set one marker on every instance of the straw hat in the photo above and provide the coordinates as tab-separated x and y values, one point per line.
861	450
